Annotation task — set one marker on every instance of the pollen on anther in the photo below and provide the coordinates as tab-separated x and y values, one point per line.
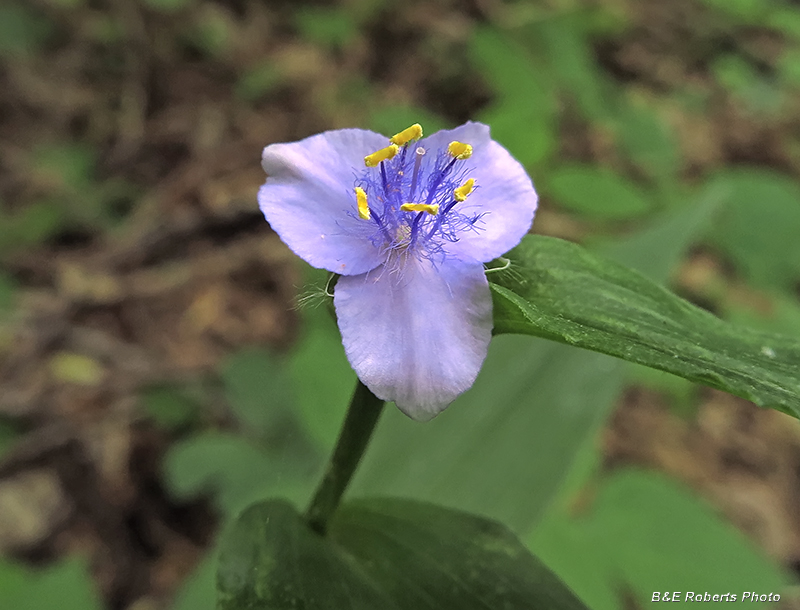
407	135
381	155
433	209
361	200
459	150
464	190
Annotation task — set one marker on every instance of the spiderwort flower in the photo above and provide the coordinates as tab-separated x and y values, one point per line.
408	224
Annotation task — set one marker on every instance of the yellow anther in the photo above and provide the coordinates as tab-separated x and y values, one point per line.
465	189
381	155
433	210
407	135
361	200
459	150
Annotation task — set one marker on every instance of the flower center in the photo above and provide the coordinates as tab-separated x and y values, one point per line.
409	195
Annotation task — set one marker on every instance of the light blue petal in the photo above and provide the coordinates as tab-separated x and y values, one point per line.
504	194
417	335
309	192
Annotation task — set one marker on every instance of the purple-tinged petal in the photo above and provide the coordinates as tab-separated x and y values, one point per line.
309	201
504	195
418	334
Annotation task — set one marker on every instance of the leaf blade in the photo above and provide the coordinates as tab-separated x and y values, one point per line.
561	292
271	559
450	559
389	554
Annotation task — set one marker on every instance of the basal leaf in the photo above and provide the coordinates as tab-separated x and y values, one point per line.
656	532
643	533
236	471
596	192
320	405
388	554
257	387
648	141
655	250
558	290
270	559
758	226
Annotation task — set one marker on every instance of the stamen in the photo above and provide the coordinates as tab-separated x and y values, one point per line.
381	155
438	180
465	189
433	210
384	179
361	200
407	135
423	228
414	231
417	162
459	150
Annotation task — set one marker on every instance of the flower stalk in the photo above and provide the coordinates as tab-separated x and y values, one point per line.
359	424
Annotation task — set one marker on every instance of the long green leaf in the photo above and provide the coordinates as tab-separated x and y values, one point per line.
558	290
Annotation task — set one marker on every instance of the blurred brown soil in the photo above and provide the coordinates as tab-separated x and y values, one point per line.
192	271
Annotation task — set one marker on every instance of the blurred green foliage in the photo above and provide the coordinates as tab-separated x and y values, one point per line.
22	31
66	585
258	81
71	196
649	142
321	405
7	290
326	26
209	31
758	227
522	116
392	119
167	6
643	534
171	408
8	435
596	193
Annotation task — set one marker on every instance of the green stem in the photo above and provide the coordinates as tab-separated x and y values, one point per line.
359	424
